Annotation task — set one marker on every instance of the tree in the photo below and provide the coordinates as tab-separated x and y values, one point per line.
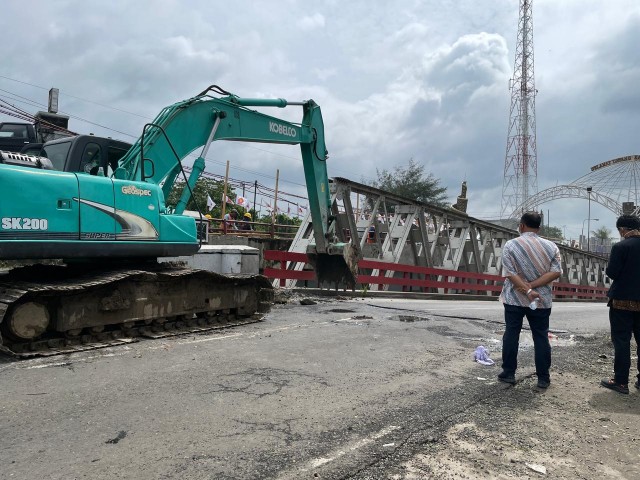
281	218
603	234
204	187
411	182
551	232
287	223
284	219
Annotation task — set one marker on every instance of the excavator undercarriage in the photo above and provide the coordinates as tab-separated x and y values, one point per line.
72	308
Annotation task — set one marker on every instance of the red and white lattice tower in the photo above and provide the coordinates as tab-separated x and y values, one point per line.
521	161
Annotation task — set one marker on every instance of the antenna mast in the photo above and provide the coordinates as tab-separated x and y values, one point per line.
521	161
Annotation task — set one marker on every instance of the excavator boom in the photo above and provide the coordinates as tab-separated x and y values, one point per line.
173	135
186	126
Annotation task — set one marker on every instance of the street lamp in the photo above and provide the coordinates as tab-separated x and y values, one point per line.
589	218
585	220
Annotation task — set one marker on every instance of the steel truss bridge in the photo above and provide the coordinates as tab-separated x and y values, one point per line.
397	230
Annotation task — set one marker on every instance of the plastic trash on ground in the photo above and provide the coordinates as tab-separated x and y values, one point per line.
537	468
481	355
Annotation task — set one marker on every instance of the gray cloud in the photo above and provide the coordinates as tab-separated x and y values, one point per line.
311	22
397	80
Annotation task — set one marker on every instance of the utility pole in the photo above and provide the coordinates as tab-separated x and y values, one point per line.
520	179
275	197
589	219
255	191
224	193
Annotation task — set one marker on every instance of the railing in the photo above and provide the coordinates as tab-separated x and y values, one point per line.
218	226
429	279
421	279
283	273
569	290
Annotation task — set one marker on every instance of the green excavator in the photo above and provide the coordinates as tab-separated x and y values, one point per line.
107	229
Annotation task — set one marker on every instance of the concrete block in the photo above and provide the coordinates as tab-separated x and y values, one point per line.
222	259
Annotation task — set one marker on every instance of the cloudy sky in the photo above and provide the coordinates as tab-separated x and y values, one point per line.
396	80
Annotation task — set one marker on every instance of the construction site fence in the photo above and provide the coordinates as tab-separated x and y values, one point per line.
378	276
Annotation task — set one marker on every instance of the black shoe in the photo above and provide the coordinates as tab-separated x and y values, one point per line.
509	378
544	383
611	384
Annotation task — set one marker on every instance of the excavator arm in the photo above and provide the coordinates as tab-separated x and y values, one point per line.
193	124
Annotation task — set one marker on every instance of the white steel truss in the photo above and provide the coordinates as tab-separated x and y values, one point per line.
394	229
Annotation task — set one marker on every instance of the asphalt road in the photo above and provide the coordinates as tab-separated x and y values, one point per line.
316	391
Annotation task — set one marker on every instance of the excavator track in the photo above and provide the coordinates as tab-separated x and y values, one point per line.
71	309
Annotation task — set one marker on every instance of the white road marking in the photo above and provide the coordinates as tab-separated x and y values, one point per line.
45	365
71	361
243	334
318	462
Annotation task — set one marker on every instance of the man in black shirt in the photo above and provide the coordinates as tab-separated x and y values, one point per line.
624	302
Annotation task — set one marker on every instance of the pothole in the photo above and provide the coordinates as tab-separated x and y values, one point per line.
409	318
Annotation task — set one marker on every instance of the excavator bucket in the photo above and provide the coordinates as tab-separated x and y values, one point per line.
338	267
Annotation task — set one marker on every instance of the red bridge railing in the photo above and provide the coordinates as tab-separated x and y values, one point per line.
412	278
282	273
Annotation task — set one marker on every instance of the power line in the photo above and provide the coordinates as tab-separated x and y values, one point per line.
260	188
77	98
33	103
75	117
16	112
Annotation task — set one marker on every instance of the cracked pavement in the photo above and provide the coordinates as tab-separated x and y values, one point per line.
361	388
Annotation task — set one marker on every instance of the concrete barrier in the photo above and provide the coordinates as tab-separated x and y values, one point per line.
222	259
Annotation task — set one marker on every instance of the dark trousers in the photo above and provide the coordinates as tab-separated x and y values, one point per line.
539	325
623	324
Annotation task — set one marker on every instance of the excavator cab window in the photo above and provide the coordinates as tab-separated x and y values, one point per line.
14	131
34	149
114	155
91	157
57	153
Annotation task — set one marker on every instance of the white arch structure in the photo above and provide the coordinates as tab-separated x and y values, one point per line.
612	182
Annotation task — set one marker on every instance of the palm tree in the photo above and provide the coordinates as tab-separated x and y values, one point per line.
603	233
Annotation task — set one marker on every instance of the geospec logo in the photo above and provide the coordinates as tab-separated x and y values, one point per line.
282	129
133	190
